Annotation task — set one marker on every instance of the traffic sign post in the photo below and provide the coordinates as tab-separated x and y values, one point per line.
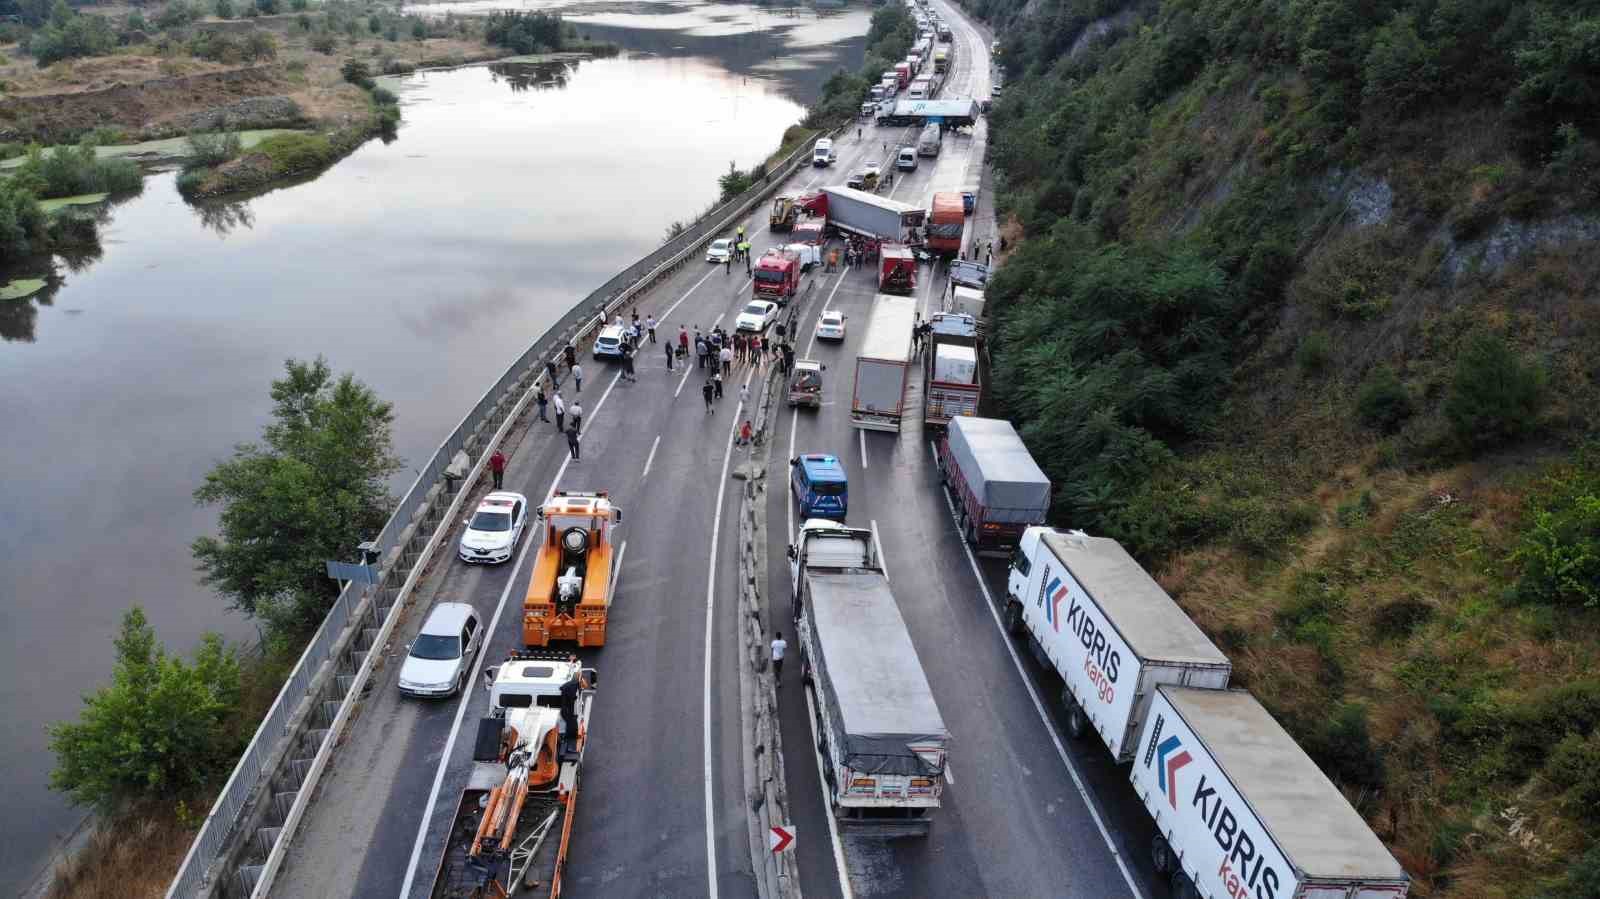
780	838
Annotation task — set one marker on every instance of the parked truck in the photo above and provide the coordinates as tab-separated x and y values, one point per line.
897	269
884	364
1095	616
1242	811
872	216
941	59
998	489
928	143
946	222
569	595
775	276
902	75
513	822
955	112
883	743
965	301
951	381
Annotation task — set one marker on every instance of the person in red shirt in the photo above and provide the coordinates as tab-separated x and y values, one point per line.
497	465
744	433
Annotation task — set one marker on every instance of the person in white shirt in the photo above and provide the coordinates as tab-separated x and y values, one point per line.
779	647
559	407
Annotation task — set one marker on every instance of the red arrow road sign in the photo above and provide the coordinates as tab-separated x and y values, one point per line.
780	838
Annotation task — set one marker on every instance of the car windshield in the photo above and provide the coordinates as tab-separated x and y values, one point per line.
719	244
756	309
764	275
431	646
491	521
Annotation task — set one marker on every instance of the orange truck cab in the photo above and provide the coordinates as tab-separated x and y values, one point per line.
569	596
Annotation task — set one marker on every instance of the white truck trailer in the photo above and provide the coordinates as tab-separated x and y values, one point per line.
869	215
1094	615
883	742
883	366
1242	811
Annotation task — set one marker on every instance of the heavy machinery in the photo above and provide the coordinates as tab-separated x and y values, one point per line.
784	212
569	596
514	821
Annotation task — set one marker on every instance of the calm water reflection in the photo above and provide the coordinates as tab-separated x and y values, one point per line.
424	265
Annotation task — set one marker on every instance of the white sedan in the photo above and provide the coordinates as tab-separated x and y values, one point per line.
831	325
757	316
492	531
720	250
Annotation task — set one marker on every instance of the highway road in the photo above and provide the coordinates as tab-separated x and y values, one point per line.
662	811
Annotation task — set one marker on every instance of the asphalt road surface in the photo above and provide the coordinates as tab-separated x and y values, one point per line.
661	812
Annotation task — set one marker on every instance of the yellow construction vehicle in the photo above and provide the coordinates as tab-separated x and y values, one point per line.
784	213
569	596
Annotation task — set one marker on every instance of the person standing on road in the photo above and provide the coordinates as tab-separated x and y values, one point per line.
741	236
745	433
577	414
708	392
577	378
716	379
572	442
683	340
727	361
650	326
700	352
744	394
572	356
779	647
550	370
727	264
544	403
755	349
497	466
667	348
627	364
561	411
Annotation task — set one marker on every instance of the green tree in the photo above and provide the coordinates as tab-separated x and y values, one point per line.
159	730
1495	395
309	492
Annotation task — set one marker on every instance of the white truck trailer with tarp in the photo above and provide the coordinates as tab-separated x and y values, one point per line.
1241	810
884	744
869	215
1096	616
883	366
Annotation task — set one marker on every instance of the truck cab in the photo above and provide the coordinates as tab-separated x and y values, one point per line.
819	484
569	596
775	277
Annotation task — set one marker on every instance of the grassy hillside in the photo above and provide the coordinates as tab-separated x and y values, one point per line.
1303	305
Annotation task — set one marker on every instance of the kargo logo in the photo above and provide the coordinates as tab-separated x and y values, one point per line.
1243	872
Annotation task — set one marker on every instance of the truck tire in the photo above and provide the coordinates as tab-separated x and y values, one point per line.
1013	617
1183	887
1076	722
1161	854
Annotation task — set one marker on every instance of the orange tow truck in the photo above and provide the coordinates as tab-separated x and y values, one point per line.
570	594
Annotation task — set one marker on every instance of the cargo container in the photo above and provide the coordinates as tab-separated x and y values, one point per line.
870	215
1241	810
884	364
946	222
998	489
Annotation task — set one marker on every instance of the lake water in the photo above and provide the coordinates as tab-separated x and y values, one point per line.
424	265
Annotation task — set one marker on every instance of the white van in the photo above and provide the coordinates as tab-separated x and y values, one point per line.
906	160
822	154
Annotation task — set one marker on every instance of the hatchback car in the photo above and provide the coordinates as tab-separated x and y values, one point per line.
720	251
757	316
830	326
609	343
494	529
437	661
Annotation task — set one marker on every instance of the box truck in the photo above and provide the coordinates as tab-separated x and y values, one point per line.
946	222
1094	615
951	382
1242	811
884	364
998	489
883	742
872	216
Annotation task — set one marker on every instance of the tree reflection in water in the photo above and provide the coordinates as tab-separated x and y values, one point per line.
521	76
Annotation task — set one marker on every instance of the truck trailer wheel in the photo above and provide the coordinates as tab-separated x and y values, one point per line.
1013	618
1183	887
1161	854
1076	723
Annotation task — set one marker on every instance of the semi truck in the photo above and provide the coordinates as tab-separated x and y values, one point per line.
956	112
569	596
872	216
941	59
897	269
1095	616
884	364
951	381
513	822
902	75
883	743
998	489
946	222
1241	810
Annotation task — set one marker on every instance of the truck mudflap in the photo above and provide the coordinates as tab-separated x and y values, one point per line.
886	827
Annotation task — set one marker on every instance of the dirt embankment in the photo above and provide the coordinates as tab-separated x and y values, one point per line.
236	99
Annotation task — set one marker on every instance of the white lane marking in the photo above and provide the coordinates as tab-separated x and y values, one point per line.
616	582
949	774
1077	781
878	545
711	607
934	452
662	321
863	433
650	459
685	379
827	800
477	665
794	416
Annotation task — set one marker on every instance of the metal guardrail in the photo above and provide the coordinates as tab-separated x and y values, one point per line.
277	727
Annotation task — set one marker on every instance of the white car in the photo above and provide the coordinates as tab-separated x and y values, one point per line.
720	251
757	316
609	343
492	531
831	325
437	661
